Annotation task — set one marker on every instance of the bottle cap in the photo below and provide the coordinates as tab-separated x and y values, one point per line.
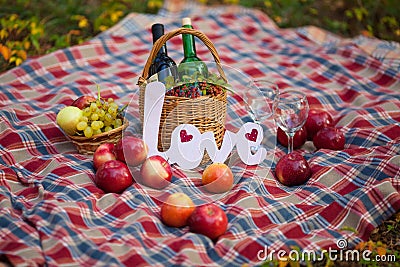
157	30
186	21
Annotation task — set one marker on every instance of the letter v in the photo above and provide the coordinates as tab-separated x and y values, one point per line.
228	142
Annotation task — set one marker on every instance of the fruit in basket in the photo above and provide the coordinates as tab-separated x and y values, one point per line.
196	85
217	178
83	101
316	120
113	176
176	210
155	172
329	138
292	169
103	153
194	90
131	150
68	119
300	137
209	220
98	115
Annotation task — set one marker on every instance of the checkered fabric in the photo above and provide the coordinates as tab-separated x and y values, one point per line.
51	212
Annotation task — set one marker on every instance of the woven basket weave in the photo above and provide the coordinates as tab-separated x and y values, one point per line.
207	112
87	146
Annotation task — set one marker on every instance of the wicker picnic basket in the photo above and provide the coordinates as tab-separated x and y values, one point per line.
206	112
87	146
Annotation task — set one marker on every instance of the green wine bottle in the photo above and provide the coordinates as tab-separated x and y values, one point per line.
191	65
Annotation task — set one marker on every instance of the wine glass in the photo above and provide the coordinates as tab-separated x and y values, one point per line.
261	104
290	113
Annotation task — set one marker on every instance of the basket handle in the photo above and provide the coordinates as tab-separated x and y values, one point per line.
163	39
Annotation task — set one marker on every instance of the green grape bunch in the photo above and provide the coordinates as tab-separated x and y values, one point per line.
98	115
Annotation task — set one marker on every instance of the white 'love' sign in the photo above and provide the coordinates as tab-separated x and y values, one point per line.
188	144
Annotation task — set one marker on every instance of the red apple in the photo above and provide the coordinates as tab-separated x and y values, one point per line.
329	138
300	137
131	150
316	120
217	178
103	153
83	101
155	172
176	210
292	169
209	220
113	177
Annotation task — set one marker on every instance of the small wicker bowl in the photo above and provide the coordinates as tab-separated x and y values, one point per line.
88	146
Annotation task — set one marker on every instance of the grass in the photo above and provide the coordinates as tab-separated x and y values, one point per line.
37	27
348	18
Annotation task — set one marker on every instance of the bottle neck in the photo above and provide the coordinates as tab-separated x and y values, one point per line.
163	51
189	48
157	30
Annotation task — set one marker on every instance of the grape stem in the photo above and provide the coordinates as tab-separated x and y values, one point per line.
99	97
122	109
98	92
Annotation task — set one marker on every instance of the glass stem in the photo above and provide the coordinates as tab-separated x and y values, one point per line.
290	141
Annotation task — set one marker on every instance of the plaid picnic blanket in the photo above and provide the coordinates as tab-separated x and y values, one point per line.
51	212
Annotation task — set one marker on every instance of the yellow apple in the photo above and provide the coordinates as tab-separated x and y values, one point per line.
68	118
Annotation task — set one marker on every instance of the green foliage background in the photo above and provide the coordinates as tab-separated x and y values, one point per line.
36	27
